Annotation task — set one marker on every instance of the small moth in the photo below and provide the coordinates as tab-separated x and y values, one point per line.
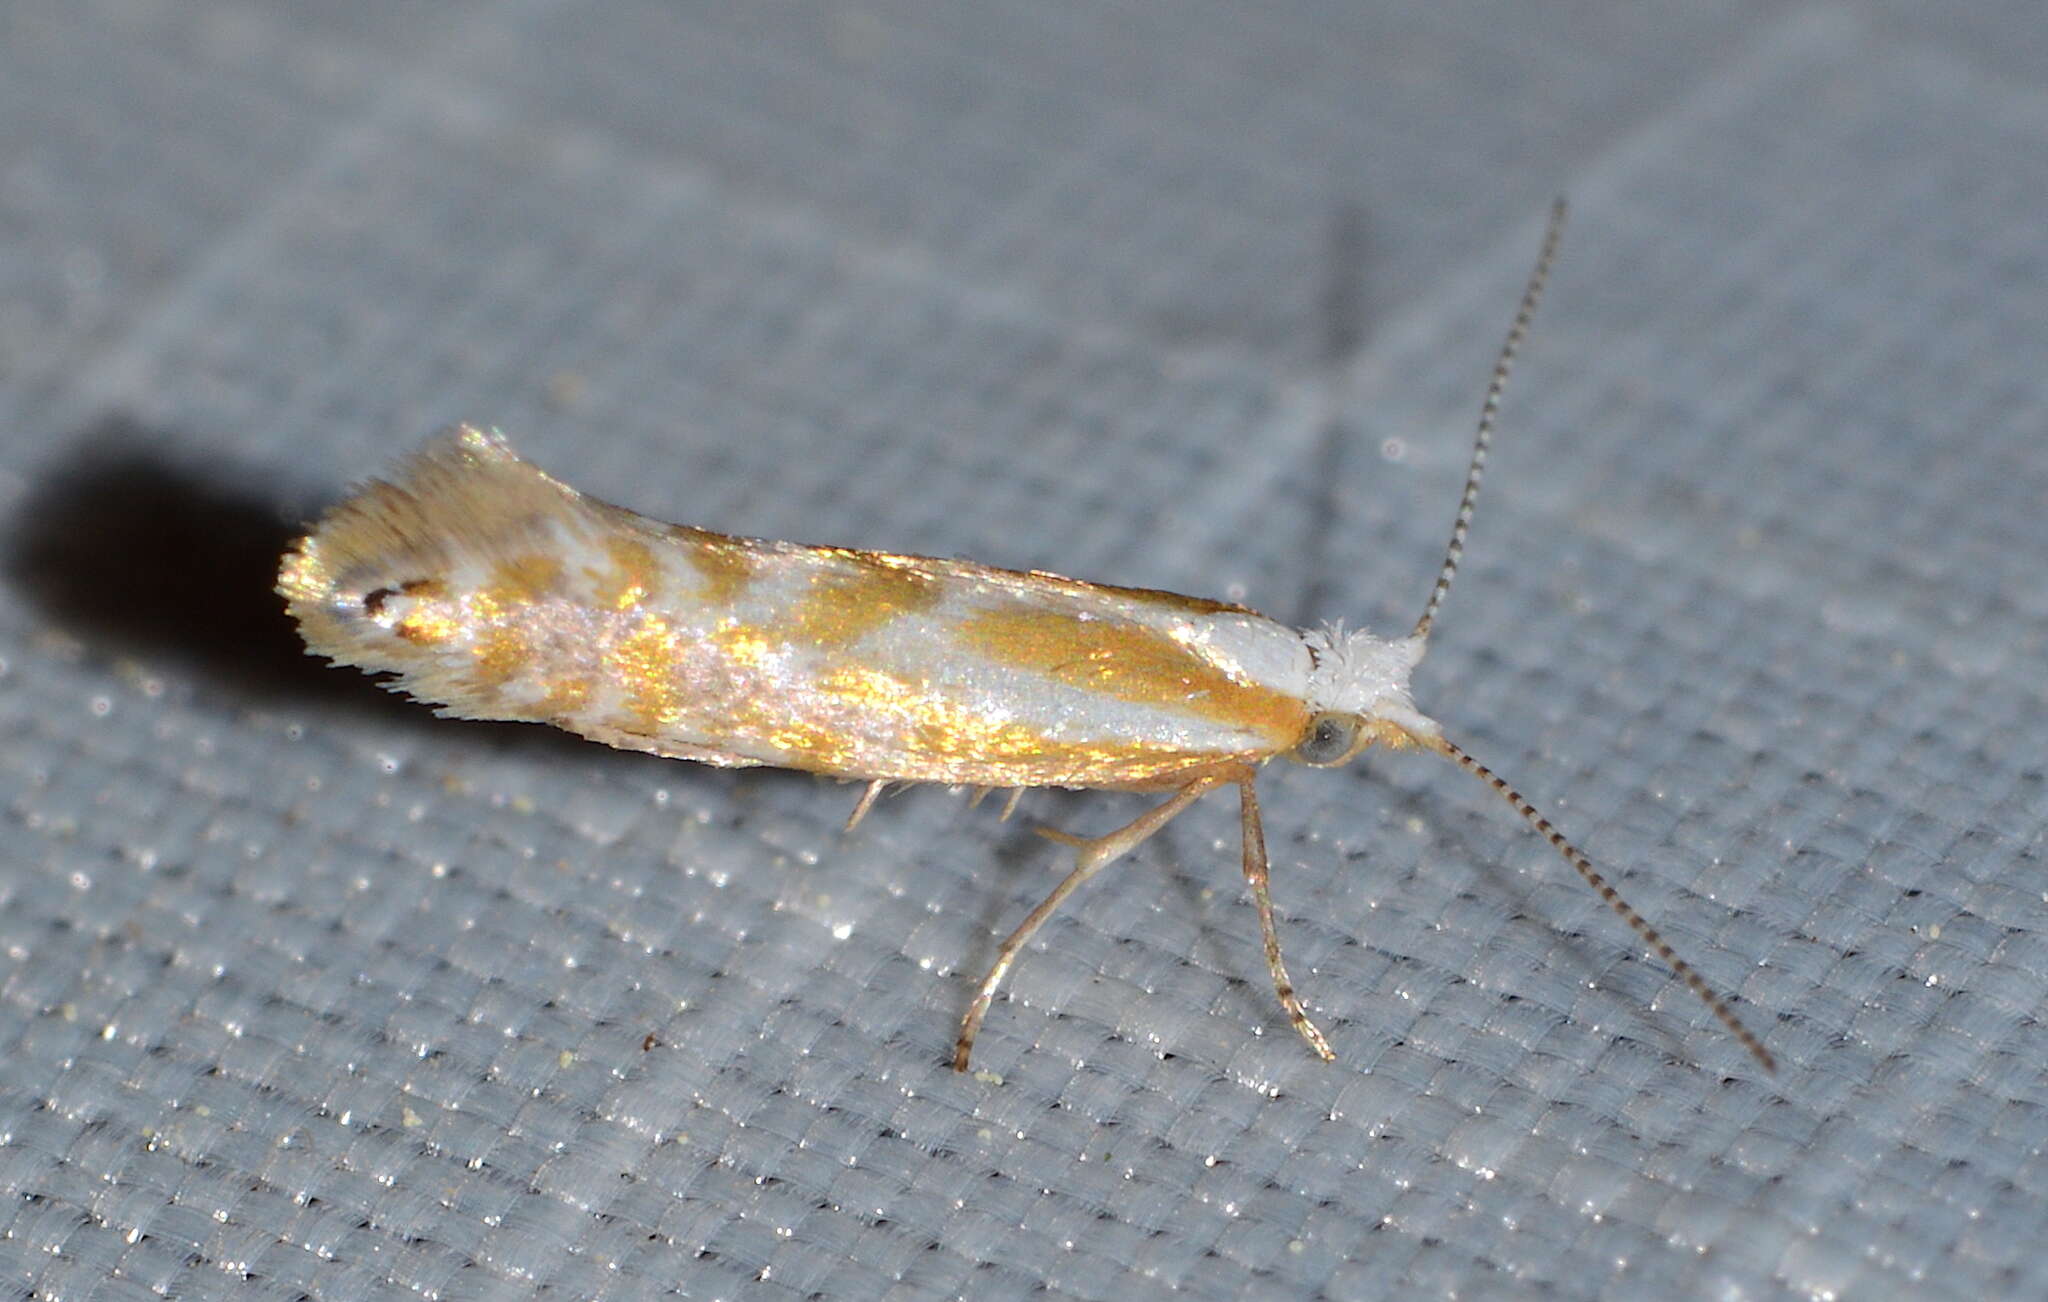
496	592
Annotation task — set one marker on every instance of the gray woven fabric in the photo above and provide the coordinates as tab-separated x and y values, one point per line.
304	992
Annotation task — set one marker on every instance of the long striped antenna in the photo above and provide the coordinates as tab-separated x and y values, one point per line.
1601	887
1488	410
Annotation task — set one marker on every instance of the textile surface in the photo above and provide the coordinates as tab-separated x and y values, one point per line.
305	992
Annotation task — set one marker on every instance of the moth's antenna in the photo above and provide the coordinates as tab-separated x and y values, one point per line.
1502	368
1644	931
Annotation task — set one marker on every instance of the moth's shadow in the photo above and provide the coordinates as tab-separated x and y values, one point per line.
141	548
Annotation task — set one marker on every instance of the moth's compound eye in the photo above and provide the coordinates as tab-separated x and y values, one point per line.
1329	739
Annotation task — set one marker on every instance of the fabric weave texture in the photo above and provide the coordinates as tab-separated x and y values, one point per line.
307	993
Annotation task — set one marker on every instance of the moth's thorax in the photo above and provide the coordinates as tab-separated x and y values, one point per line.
1249	648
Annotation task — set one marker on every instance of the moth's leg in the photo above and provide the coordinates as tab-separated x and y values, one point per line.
1091	856
1256	874
1009	804
866	802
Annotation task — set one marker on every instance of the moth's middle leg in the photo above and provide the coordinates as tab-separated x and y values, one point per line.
1091	856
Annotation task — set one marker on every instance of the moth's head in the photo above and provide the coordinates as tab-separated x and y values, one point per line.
1358	690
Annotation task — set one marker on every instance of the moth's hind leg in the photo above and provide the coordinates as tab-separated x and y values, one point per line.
1091	856
1255	873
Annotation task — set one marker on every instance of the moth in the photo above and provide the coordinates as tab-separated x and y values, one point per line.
493	591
